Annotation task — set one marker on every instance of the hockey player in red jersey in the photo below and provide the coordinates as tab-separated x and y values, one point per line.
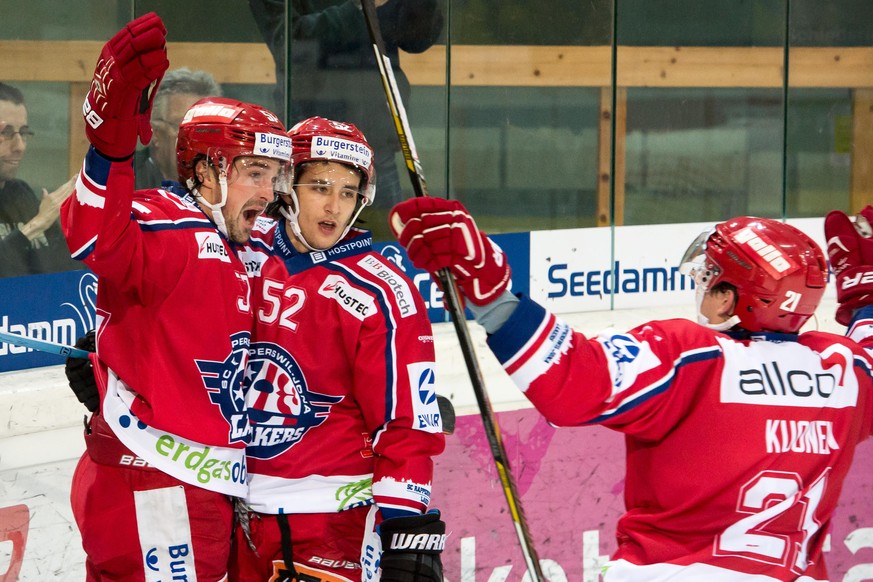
739	430
341	385
151	495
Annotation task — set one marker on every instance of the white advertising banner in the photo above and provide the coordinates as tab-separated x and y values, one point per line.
595	269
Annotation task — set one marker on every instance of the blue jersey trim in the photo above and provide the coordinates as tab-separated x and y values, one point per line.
662	386
97	167
865	312
767	336
358	243
863	364
86	252
183	224
521	326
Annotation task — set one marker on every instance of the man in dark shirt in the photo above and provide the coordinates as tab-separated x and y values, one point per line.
31	240
334	72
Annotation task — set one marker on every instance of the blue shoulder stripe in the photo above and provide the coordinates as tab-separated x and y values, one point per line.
864	365
182	224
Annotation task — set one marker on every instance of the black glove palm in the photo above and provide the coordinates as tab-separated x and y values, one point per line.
80	374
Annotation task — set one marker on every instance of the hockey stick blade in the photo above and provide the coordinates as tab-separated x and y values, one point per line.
452	296
42	345
447	414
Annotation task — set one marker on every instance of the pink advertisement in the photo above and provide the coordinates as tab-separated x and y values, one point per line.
570	481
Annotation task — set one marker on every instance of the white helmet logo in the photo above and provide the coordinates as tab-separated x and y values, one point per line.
341	126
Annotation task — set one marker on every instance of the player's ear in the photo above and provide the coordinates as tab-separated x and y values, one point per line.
204	174
727	302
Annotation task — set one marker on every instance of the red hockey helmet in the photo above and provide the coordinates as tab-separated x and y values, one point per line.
222	129
319	139
779	272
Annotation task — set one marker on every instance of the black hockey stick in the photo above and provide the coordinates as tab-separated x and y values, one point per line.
452	298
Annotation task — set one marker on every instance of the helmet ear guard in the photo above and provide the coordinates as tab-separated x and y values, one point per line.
779	272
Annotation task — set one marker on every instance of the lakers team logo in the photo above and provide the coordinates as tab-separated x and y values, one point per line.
281	407
224	382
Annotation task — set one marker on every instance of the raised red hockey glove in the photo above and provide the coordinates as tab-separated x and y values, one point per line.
850	250
80	374
411	548
118	106
439	234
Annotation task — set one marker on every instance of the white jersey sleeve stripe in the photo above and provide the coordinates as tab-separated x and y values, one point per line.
525	352
89	193
85	249
545	352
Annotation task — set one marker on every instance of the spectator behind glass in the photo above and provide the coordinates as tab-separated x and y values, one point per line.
334	72
31	241
179	90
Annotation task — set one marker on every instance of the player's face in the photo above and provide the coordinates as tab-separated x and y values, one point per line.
12	148
249	189
327	193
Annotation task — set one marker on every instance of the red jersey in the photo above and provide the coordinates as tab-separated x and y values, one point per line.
705	500
341	380
174	322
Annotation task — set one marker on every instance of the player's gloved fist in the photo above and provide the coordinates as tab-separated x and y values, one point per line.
411	548
118	106
80	374
850	251
439	234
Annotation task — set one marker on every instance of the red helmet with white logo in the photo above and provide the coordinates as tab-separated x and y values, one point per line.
779	272
222	129
319	139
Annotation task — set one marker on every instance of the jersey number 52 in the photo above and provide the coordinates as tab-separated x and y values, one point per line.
275	308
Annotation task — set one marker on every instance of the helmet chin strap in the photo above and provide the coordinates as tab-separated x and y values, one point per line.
291	215
704	321
217	216
723	326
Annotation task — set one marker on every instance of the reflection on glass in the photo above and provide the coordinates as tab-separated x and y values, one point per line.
698	155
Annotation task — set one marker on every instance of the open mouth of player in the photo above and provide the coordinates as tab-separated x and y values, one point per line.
251	214
327	226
